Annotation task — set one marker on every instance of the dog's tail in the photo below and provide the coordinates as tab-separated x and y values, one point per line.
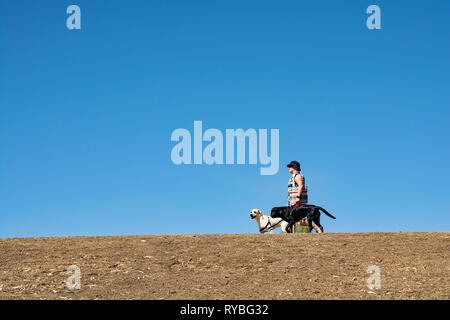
327	213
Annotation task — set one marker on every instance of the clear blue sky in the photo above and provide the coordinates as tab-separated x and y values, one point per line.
86	115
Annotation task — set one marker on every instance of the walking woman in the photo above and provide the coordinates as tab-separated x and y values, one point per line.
297	190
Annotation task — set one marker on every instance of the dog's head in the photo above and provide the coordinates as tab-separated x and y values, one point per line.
255	213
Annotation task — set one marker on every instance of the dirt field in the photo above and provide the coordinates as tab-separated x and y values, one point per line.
230	266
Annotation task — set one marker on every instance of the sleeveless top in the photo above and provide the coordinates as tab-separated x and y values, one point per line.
293	190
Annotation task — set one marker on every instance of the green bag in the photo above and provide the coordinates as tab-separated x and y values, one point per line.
301	229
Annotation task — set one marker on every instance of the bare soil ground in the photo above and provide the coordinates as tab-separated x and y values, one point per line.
228	266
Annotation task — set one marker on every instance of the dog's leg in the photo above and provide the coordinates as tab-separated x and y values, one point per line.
283	226
290	228
310	225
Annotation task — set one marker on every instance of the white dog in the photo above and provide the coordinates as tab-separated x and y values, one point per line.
266	223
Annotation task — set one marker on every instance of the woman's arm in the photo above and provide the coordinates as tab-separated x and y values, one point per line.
299	181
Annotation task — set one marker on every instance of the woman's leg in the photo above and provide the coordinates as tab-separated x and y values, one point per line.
318	230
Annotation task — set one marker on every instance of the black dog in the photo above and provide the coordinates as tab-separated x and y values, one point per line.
294	214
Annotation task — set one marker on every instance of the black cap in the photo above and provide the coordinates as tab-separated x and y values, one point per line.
294	164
